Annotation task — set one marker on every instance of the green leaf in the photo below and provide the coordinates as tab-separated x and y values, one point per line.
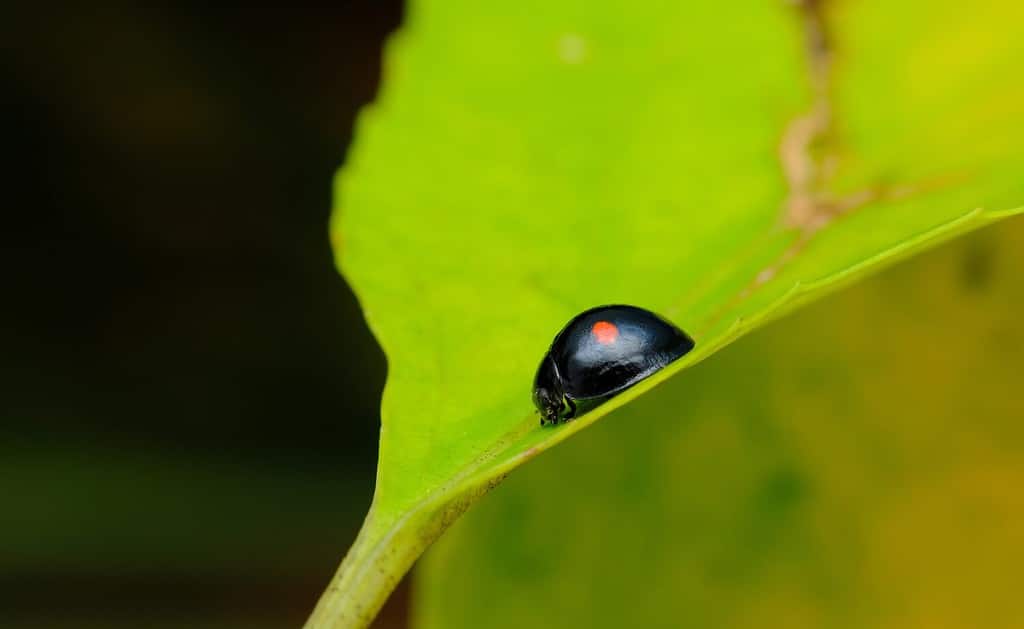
527	160
856	465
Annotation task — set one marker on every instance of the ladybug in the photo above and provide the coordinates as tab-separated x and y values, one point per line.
600	353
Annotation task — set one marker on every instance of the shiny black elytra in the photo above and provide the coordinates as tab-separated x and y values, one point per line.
600	353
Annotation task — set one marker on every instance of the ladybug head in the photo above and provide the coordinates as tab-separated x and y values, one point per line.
548	396
549	404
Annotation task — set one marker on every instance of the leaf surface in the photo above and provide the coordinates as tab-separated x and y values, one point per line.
720	166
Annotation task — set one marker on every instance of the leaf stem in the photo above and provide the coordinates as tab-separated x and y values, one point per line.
382	553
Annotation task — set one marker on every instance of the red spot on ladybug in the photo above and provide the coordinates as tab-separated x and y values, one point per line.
605	332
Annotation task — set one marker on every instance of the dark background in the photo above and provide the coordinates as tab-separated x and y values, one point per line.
190	396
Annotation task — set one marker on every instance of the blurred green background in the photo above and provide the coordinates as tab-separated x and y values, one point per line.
189	402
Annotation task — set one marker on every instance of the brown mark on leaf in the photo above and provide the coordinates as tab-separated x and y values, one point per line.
805	171
807	150
808	157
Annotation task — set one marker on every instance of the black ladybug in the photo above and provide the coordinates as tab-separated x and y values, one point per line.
601	352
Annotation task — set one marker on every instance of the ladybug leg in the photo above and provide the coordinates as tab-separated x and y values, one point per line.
572	409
